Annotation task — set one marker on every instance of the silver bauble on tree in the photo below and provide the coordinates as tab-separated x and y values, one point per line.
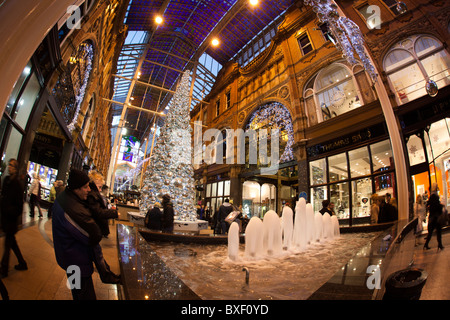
170	169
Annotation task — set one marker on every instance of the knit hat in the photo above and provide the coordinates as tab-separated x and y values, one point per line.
77	179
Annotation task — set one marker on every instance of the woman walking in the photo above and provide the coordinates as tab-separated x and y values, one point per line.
11	208
435	210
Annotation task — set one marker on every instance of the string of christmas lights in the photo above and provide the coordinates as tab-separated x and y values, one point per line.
87	51
275	116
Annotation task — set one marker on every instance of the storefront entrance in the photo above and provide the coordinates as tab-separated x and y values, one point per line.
429	158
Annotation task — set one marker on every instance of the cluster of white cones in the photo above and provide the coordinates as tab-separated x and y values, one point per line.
274	236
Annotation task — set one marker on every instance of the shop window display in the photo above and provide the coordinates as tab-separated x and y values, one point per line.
382	159
258	199
413	61
359	162
353	177
251	198
216	193
339	195
338	167
318	172
362	191
438	137
318	194
416	154
46	175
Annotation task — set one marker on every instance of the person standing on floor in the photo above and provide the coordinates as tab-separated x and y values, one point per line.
11	209
224	210
97	204
101	214
326	207
168	213
434	207
35	195
420	212
54	191
374	208
76	235
105	195
153	218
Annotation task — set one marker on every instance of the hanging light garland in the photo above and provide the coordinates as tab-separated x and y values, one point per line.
88	55
348	37
275	116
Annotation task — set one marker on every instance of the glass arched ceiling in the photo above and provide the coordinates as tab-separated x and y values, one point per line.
176	45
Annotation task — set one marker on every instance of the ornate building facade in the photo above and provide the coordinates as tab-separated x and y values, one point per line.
341	145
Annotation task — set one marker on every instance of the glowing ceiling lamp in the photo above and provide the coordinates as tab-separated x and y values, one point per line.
215	42
158	20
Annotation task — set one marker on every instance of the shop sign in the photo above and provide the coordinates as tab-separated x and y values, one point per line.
347	140
48	140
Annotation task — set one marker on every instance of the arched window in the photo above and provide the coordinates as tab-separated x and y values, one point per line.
336	90
410	63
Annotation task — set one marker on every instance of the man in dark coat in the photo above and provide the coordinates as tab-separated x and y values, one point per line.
387	212
99	210
101	214
76	235
325	207
168	213
11	209
153	218
224	210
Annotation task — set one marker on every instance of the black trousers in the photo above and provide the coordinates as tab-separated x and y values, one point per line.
3	292
86	291
11	244
34	202
433	224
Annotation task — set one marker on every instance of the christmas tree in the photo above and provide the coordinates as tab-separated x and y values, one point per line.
170	169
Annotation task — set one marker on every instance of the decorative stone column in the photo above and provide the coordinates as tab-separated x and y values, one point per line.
235	185
302	164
